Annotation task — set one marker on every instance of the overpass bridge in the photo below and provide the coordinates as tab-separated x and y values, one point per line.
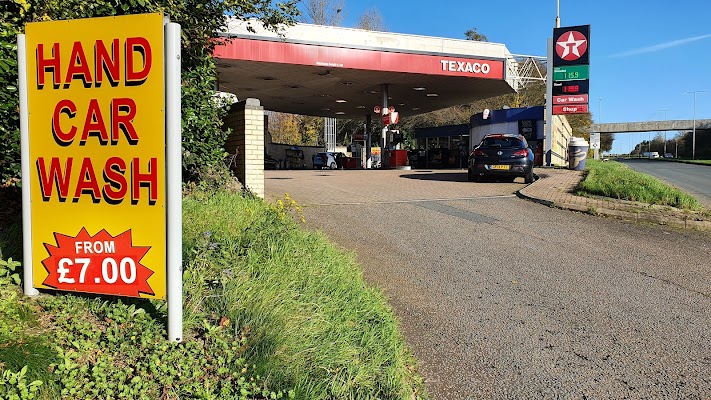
651	126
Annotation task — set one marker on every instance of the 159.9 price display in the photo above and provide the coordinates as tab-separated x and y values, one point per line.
101	264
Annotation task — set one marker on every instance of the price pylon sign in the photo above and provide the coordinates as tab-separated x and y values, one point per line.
571	65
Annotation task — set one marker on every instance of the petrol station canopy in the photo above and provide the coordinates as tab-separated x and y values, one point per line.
342	72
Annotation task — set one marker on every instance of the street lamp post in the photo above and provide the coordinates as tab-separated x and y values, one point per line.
599	110
693	135
596	152
665	133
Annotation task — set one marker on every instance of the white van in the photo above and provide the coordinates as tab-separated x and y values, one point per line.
654	154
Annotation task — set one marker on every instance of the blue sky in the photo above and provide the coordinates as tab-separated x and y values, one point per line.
644	54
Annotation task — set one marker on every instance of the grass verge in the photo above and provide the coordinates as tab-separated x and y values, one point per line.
314	323
616	180
271	311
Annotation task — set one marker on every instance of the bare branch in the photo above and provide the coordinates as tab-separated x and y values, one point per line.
324	12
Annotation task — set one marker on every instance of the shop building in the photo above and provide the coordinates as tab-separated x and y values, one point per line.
449	146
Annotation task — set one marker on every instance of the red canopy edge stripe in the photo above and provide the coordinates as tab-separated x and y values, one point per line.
337	57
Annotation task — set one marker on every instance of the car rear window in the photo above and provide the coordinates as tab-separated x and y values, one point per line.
502	142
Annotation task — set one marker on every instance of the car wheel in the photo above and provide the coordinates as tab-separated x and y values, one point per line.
332	165
529	176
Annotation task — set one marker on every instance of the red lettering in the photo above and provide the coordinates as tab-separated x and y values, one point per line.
54	176
123	122
60	136
45	65
149	179
140	45
94	124
78	68
87	181
123	112
106	63
115	188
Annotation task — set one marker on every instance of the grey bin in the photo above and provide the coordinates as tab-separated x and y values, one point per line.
577	153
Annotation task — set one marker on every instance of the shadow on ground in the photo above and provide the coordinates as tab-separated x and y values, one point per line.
438	176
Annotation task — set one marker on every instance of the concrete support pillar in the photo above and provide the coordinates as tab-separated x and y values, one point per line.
368	131
384	162
246	144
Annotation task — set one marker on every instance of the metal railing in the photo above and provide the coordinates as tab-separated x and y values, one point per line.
524	70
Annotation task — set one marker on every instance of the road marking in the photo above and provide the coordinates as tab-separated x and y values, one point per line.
358	203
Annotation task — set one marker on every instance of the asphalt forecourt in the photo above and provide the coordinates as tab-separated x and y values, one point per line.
499	297
331	187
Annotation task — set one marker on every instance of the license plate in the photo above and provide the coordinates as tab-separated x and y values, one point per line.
500	167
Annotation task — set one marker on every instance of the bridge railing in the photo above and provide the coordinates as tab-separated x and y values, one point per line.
651	126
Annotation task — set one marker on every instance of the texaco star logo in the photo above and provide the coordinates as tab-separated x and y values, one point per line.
571	45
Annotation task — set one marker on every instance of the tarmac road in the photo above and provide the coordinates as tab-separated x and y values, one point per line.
693	179
503	298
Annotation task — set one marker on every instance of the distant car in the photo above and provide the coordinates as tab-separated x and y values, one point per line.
654	154
668	155
271	162
329	159
505	156
417	158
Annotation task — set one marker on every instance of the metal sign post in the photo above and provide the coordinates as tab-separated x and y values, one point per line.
173	128
25	151
595	144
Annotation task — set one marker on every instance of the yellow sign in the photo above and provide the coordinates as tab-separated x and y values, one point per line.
97	154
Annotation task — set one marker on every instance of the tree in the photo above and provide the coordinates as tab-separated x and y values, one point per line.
200	20
311	129
13	14
284	128
472	34
371	20
324	12
347	128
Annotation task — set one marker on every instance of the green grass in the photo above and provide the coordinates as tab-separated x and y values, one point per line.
315	325
271	311
33	352
616	180
23	346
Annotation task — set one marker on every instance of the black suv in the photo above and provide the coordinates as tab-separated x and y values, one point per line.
504	156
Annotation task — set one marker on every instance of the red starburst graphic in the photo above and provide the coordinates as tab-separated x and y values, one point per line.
571	45
101	264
